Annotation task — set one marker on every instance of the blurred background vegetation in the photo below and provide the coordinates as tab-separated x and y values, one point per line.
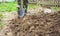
8	7
1	24
11	6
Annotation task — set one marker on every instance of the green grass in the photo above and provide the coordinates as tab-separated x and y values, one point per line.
11	6
8	7
31	6
1	16
1	25
56	8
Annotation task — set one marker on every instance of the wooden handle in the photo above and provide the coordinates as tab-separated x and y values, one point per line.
21	3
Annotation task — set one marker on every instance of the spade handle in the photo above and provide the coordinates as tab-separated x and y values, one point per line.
21	3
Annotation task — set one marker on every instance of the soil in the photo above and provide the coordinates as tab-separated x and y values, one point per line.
39	24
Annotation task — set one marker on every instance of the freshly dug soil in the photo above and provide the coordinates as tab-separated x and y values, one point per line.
36	25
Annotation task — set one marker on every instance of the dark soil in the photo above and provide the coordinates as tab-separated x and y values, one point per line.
36	25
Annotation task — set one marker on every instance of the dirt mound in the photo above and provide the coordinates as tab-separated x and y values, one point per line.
36	25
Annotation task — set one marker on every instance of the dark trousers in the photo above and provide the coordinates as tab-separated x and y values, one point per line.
25	6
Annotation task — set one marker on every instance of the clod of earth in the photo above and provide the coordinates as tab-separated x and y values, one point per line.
36	25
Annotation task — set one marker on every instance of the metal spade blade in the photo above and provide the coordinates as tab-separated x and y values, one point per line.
21	12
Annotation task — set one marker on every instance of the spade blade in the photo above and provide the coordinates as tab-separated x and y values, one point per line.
21	12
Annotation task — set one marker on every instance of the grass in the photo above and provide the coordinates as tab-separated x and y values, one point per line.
1	16
11	6
1	25
56	8
8	7
31	6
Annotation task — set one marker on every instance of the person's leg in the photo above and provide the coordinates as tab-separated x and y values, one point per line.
18	4
25	5
25	8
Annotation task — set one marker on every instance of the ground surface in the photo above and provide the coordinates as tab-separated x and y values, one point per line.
33	24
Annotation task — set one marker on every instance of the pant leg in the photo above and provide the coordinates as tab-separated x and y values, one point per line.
25	7
19	3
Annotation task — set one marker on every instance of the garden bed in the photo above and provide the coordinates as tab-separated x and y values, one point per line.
34	25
